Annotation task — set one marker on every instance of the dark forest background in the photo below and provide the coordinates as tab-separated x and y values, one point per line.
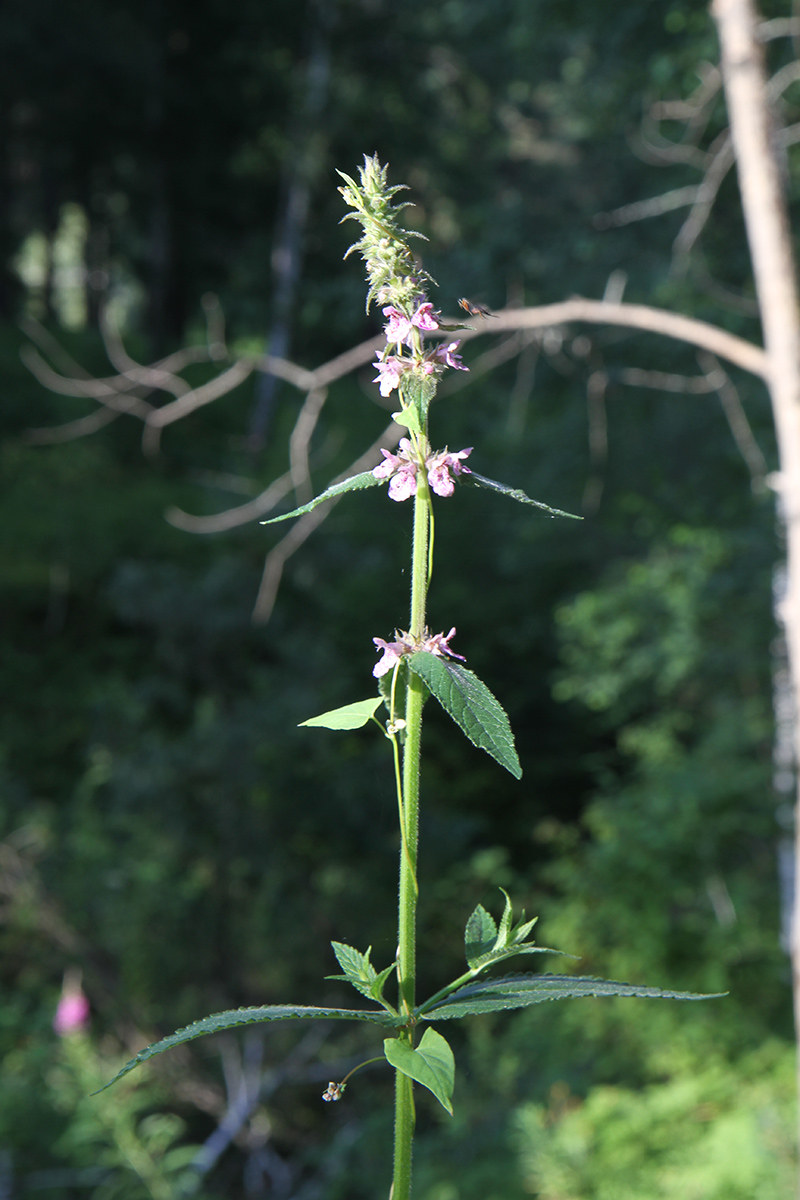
166	828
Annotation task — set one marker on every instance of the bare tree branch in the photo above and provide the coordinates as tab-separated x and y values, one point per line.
739	351
299	442
253	510
736	418
71	430
778	28
641	210
302	529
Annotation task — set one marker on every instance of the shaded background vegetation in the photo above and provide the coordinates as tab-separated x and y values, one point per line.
165	825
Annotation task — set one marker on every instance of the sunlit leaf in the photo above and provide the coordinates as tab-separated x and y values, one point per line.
252	1016
520	991
431	1064
353	484
350	716
481	481
471	705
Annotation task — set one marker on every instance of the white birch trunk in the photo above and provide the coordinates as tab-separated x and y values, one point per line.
771	252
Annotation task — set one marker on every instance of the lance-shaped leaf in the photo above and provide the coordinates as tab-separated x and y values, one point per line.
431	1064
354	484
474	480
218	1022
472	706
520	991
350	716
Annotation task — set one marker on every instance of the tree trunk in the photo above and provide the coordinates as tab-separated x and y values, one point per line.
771	252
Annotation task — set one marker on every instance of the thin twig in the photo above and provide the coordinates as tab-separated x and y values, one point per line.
737	419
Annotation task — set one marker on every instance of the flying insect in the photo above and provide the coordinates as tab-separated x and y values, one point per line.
474	309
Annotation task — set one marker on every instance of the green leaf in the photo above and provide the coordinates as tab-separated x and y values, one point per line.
253	1016
479	937
357	968
431	1064
521	931
353	484
351	716
378	984
515	494
504	931
520	991
359	972
471	705
408	417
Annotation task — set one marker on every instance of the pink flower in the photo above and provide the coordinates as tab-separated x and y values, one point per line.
392	652
398	328
424	319
440	465
400	469
389	372
437	644
403	484
72	1014
446	356
404	643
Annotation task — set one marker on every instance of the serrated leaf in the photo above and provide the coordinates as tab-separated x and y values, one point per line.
520	991
218	1022
504	932
355	483
350	716
479	937
431	1064
466	699
358	970
474	480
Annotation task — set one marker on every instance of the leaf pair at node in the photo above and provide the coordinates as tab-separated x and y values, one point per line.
463	696
411	419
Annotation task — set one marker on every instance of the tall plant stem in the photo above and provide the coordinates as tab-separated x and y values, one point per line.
407	914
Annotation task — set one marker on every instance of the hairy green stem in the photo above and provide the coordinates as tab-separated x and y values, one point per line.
407	912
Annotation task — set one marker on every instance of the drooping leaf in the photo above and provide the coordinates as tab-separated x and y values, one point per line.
481	481
355	483
431	1064
217	1022
350	716
472	706
520	991
479	937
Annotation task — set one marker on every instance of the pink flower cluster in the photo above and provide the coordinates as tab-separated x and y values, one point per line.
399	332
400	327
404	643
401	470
